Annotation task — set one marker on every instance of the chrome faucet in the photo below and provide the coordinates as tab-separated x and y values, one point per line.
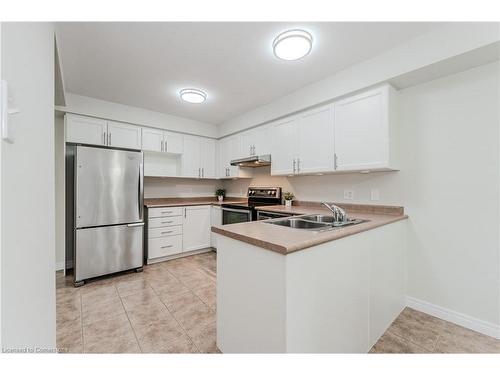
339	213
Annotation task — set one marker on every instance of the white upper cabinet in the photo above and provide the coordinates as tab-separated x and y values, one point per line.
207	162
162	141
256	141
173	142
124	135
303	144
230	149
86	130
152	139
198	158
362	136
284	146
190	161
315	151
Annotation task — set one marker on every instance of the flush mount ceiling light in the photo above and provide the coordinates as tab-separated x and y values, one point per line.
292	44
193	96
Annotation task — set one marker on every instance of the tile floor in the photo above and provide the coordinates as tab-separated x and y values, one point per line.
170	308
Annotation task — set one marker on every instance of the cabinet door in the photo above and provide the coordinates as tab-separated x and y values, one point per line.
224	157
262	140
284	141
190	161
216	219
361	131
234	153
196	230
316	141
174	142
152	139
247	143
124	135
208	158
86	130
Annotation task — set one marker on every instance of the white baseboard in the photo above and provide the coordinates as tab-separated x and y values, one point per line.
457	318
59	266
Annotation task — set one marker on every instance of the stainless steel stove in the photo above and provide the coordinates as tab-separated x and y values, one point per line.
246	211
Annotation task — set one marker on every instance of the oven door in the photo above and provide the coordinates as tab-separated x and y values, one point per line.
235	215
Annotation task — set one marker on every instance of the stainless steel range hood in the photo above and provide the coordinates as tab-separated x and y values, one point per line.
253	161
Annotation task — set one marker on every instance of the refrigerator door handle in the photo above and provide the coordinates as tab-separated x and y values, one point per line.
135	225
141	192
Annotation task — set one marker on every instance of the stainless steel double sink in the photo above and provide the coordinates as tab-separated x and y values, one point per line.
314	222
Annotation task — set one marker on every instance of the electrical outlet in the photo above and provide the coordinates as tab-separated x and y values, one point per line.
348	194
375	195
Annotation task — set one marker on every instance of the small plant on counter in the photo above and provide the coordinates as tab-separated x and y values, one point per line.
220	193
288	198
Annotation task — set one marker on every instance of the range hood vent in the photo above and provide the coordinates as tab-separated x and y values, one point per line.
253	161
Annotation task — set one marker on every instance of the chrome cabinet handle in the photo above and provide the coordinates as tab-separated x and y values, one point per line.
165	146
166	222
298	165
164	247
166	212
294	166
109	139
199	172
170	231
104	138
161	146
185	212
334	161
203	172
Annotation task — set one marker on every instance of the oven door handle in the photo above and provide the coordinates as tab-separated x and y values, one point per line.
236	210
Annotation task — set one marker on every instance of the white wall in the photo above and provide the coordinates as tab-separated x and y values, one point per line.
60	190
438	45
156	187
28	277
85	105
448	183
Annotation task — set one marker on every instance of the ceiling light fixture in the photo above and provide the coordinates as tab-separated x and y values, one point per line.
193	96
292	45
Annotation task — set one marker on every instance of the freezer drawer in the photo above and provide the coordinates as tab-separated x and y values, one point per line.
104	250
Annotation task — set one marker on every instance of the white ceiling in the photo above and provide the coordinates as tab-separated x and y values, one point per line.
146	64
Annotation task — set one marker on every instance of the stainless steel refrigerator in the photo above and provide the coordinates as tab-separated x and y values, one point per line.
104	210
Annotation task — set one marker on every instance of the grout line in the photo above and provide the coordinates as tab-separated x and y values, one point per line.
128	318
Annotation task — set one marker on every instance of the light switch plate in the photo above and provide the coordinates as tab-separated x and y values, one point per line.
348	194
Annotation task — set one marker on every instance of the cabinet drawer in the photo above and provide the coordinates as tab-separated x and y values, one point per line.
164	246
159	222
165	211
165	231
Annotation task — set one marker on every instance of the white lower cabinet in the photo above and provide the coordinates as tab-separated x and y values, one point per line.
196	227
216	219
164	246
164	232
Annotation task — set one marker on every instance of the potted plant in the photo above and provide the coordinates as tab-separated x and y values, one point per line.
220	193
288	198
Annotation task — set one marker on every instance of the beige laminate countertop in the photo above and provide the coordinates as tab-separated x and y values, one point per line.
195	201
286	240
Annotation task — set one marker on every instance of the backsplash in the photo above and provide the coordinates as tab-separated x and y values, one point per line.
156	187
327	187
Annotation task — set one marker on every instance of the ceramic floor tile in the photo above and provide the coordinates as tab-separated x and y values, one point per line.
390	343
99	294
69	339
207	295
110	336
102	311
141	298
131	285
182	344
158	334
456	339
418	328
204	337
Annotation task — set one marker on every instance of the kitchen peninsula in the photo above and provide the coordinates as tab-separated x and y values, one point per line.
282	289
